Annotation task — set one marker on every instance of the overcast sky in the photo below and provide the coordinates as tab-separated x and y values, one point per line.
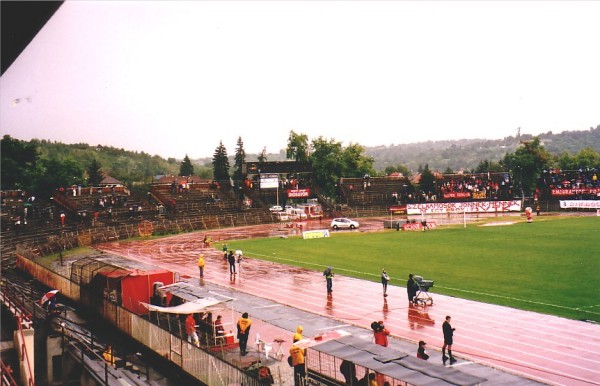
175	78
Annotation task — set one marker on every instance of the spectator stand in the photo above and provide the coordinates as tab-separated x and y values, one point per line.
373	196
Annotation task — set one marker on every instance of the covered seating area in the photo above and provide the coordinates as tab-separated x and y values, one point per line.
172	303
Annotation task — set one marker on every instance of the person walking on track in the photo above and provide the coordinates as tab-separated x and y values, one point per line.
384	281
411	288
328	273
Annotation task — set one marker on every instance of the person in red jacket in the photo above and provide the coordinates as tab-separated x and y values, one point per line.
190	329
380	333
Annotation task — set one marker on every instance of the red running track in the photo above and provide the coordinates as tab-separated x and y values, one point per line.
545	348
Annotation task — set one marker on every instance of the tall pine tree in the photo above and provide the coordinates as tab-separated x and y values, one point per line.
427	182
186	168
240	158
95	175
220	163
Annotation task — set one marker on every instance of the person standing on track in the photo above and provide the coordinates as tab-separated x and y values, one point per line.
411	288
243	331
384	281
239	257
328	273
201	264
448	340
231	260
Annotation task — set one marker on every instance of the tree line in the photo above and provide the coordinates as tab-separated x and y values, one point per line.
40	167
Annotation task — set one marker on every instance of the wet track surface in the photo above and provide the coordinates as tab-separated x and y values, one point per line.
544	348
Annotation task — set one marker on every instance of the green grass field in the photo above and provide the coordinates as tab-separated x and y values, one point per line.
551	266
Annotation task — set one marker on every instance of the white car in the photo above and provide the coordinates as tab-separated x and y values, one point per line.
276	208
344	223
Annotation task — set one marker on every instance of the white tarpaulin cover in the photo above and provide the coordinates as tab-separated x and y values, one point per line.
198	305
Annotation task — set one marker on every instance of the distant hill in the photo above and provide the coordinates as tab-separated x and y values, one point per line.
463	154
466	154
457	155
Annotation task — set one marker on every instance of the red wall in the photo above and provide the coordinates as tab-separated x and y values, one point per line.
138	288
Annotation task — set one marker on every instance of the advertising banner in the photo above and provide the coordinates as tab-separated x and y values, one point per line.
419	226
580	204
269	181
298	193
397	209
468	207
457	195
315	234
575	192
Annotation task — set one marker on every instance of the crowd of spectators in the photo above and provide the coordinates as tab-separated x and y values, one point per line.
584	182
480	185
19	208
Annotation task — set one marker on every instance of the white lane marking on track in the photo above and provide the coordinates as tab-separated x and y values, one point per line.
334	327
270	306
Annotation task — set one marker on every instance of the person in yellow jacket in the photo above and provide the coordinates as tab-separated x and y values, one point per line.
108	355
297	354
201	264
297	334
243	332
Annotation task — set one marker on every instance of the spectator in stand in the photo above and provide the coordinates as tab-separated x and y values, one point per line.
108	355
348	370
219	329
190	329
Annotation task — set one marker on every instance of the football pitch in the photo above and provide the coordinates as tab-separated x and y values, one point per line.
550	266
